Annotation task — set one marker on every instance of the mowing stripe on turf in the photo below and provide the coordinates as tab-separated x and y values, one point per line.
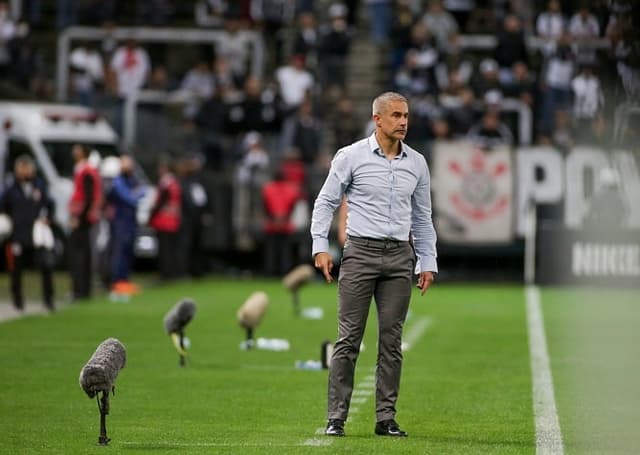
177	445
9	313
548	435
363	393
366	388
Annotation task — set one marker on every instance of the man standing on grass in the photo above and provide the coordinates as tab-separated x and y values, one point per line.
122	201
85	208
26	202
387	187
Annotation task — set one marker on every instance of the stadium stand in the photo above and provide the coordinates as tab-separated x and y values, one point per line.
551	71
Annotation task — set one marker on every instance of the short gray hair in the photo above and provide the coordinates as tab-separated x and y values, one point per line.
385	98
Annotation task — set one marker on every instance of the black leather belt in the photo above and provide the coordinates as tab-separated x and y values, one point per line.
377	243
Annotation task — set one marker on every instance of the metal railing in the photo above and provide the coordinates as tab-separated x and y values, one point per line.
487	42
130	117
623	113
196	35
525	118
147	35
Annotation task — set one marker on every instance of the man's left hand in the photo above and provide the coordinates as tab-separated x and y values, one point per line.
424	281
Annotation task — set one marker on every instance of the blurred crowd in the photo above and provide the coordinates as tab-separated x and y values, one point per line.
562	59
274	129
570	62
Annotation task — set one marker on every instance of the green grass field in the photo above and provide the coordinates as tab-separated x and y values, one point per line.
466	385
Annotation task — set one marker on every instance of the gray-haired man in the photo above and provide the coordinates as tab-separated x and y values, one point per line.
387	187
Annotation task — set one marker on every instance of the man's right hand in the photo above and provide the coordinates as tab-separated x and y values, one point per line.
324	263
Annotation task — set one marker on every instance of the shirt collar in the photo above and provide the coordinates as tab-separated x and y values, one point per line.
375	147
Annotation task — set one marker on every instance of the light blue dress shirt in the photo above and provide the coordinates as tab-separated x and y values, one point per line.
386	199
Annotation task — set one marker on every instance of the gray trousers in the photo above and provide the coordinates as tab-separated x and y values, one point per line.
371	268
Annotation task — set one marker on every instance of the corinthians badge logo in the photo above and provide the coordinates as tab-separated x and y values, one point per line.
477	197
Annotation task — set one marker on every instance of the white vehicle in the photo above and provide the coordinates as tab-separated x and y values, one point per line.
47	133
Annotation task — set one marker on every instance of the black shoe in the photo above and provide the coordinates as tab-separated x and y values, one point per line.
389	428
335	427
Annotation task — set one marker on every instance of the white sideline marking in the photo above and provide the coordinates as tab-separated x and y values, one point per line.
31	308
318	442
266	367
176	444
548	435
415	333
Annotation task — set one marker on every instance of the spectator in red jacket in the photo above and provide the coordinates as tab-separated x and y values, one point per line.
85	210
165	218
280	197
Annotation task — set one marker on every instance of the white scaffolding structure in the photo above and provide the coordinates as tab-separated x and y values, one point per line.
147	35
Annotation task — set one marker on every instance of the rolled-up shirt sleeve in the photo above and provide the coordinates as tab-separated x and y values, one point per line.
424	234
328	201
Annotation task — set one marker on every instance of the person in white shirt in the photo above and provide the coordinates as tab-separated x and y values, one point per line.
294	82
87	70
390	235
584	28
551	23
556	90
588	99
294	85
131	65
584	25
